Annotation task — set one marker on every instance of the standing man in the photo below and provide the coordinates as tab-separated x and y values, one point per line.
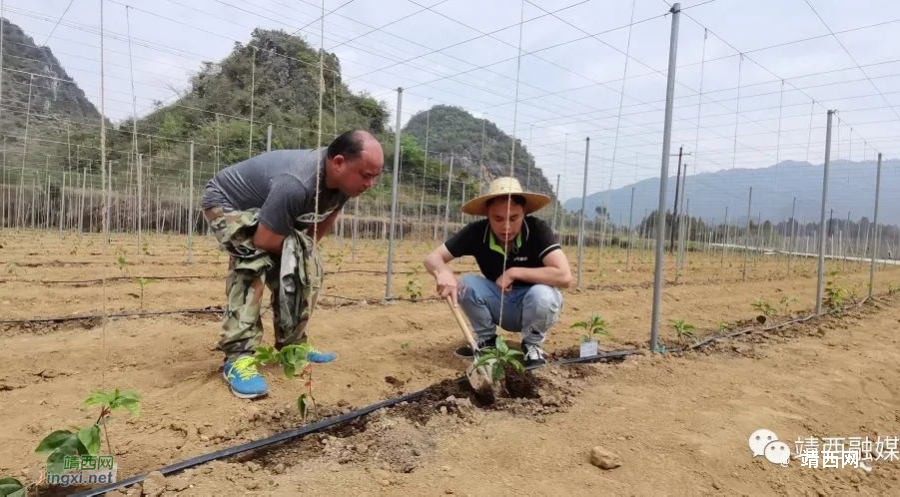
522	264
253	208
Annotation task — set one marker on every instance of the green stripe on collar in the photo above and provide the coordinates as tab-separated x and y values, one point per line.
497	248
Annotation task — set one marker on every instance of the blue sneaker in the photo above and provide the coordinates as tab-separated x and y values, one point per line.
320	357
244	379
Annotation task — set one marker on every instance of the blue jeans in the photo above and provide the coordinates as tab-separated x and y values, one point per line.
529	309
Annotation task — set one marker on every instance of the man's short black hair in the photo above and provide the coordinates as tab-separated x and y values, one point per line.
516	199
349	144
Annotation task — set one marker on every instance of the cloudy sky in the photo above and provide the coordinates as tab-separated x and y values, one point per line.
570	76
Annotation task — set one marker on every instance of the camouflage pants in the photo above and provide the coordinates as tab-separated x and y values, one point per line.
251	269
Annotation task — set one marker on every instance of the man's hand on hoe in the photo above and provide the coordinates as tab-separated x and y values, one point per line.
447	286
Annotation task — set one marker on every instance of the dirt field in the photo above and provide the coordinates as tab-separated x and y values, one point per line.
679	424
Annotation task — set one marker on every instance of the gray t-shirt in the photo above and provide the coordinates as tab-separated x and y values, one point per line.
281	184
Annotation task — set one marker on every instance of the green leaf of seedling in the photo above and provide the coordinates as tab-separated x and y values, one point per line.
290	371
132	406
497	373
127	399
302	406
484	359
264	356
501	345
53	441
56	461
580	324
10	487
293	358
129	395
89	436
294	354
72	446
99	399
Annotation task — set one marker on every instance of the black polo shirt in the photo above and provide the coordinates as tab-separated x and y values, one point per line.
533	243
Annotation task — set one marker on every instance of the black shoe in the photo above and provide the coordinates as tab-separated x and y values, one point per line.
466	352
534	355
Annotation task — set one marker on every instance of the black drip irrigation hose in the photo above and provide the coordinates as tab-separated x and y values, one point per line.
258	444
353	415
97	281
316	427
61	319
782	324
606	356
201	310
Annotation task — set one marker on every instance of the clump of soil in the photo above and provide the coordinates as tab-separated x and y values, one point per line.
394	443
445	397
579	371
397	438
566	353
435	397
522	385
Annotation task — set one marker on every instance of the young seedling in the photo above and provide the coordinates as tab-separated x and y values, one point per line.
683	330
142	283
721	327
145	247
786	301
413	285
834	293
293	364
594	328
336	258
853	293
404	345
86	441
122	262
893	288
499	358
765	308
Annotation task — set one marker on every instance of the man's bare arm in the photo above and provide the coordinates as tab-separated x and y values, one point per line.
322	228
556	271
436	265
268	240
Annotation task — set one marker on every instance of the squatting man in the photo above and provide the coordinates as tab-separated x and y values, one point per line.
265	212
522	266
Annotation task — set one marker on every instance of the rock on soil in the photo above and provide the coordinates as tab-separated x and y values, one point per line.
154	485
604	459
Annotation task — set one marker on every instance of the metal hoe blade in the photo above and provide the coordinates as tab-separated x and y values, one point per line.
479	377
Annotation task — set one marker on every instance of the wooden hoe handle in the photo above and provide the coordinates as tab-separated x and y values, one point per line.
463	325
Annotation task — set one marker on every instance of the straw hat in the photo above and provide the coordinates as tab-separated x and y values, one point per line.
502	187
